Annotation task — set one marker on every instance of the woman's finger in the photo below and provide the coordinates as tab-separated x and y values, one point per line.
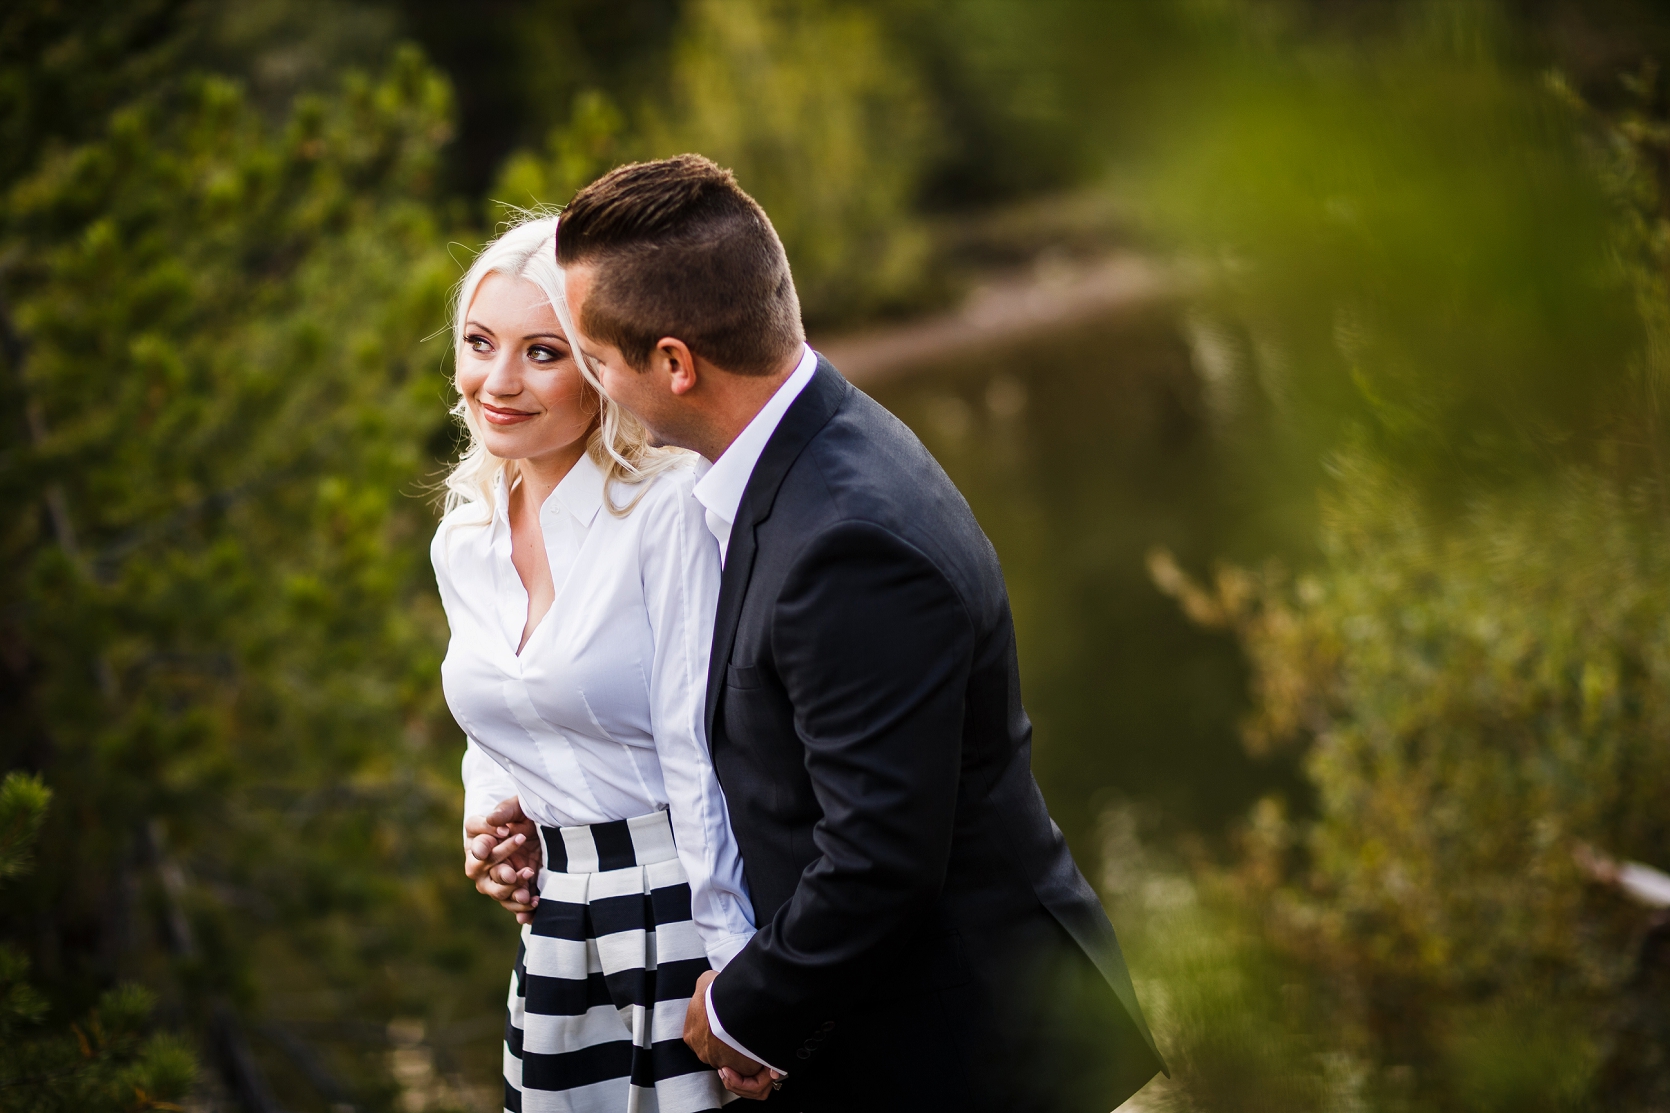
528	856
482	845
506	848
487	885
509	810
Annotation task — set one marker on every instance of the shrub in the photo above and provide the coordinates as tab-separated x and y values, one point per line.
1477	698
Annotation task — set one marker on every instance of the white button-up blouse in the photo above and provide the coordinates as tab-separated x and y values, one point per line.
601	716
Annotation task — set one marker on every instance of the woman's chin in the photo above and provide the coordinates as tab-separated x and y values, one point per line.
505	446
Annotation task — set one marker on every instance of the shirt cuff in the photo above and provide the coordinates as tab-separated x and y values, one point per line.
725	1037
722	948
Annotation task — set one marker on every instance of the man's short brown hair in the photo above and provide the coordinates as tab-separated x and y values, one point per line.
680	250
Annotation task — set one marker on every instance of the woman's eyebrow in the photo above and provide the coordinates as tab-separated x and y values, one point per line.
546	336
477	325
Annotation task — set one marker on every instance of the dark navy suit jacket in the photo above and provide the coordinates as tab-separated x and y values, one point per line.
926	941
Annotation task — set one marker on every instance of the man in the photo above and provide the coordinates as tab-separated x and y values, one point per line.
925	939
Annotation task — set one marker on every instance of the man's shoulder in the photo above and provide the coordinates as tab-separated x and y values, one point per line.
865	466
865	449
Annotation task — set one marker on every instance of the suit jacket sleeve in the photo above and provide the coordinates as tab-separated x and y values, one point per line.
873	648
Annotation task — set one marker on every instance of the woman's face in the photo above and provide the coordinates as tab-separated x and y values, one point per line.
517	374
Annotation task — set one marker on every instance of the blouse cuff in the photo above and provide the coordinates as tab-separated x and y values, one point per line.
722	948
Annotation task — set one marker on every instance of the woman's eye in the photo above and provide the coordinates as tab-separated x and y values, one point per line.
479	343
539	353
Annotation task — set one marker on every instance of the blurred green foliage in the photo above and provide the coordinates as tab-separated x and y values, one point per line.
820	121
1424	240
224	638
1477	699
1407	234
849	121
107	1062
23	802
222	245
824	126
1442	270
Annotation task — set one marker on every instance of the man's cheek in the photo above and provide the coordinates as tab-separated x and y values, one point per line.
610	379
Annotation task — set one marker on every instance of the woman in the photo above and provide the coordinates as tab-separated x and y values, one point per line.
579	580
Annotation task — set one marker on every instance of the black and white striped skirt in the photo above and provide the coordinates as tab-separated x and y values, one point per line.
603	978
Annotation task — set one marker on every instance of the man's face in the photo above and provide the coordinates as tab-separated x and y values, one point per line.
647	393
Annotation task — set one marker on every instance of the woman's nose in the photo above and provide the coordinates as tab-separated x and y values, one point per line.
502	379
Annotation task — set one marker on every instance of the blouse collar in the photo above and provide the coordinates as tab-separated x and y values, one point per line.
580	492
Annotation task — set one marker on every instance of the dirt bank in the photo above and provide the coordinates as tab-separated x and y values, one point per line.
1052	293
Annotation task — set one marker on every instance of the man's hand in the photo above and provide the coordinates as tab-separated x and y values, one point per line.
740	1074
502	857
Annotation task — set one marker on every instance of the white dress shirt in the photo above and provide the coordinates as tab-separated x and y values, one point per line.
601	715
720	491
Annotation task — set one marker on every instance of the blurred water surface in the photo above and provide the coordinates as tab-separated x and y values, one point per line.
1079	453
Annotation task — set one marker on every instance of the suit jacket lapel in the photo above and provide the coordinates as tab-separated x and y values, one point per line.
806	415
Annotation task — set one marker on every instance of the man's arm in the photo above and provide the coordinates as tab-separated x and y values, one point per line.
740	1074
873	647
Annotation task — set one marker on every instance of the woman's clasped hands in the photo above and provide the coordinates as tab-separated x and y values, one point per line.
503	857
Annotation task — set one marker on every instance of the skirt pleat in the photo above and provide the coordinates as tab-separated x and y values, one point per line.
603	978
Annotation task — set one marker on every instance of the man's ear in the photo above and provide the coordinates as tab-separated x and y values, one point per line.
678	363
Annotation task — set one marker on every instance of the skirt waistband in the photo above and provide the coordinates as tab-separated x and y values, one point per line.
617	845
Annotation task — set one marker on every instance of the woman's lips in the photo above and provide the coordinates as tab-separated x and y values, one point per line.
499	416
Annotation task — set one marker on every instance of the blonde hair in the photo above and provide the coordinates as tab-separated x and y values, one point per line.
619	445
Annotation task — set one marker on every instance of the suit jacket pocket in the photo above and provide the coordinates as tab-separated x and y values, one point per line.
743	676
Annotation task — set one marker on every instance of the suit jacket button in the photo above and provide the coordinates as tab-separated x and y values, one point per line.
829	1026
803	1053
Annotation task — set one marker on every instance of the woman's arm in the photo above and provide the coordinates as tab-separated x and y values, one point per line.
680	565
485	783
502	854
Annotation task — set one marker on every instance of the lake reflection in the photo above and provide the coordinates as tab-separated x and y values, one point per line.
1078	454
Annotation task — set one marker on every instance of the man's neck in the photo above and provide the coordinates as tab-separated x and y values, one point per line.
739	401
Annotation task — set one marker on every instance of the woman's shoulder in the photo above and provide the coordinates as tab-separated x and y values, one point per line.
468	515
456	525
667	489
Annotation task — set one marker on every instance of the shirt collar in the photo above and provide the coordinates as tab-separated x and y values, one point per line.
580	492
721	489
